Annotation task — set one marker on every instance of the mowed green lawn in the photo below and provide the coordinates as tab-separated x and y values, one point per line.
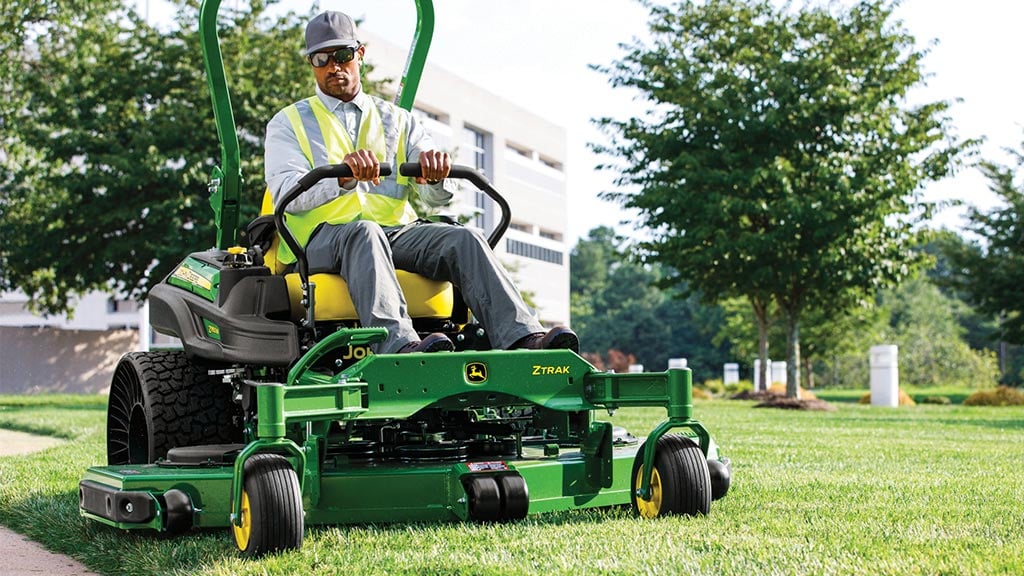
920	490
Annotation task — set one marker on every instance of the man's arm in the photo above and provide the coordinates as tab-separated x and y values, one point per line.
284	164
434	163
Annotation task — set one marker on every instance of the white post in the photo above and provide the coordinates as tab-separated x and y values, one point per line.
885	376
676	363
636	368
730	373
778	372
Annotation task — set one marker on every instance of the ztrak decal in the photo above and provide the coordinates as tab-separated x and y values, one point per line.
549	370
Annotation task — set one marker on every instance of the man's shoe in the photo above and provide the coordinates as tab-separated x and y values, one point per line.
435	342
558	338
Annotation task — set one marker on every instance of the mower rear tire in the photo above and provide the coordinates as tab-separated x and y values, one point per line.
161	400
272	515
680	481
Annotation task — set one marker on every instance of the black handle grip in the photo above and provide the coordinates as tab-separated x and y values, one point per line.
333	171
412	170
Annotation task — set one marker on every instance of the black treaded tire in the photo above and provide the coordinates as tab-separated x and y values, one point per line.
272	515
161	400
684	485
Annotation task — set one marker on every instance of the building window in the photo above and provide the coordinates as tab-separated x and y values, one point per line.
551	235
115	306
533	251
476	144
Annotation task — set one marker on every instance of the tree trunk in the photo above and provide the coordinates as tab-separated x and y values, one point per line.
792	356
808	373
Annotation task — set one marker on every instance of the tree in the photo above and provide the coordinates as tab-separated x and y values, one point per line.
109	145
617	305
989	270
779	160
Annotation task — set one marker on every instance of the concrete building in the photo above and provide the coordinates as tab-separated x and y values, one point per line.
521	153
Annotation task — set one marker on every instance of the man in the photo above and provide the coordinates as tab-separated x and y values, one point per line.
363	227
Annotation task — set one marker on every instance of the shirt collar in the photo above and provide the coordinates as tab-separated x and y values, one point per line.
333	103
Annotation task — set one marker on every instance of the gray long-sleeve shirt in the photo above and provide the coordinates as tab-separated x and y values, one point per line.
285	162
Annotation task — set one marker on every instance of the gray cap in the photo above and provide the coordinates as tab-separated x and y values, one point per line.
330	30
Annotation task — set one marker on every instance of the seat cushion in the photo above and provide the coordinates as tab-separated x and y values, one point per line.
425	298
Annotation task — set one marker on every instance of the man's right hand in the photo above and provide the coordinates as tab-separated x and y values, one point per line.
365	167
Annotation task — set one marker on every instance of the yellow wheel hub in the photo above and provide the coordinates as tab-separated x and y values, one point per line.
244	529
649	508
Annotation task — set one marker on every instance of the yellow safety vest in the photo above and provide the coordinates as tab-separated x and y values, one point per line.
311	119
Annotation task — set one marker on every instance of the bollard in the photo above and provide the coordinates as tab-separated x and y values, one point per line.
778	372
885	376
731	373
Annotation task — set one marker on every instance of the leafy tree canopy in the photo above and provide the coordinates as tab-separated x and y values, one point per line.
781	158
990	269
108	138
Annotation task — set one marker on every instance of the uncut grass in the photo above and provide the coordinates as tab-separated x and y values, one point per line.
923	490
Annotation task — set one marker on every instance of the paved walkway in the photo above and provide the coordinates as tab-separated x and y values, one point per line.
13	443
19	555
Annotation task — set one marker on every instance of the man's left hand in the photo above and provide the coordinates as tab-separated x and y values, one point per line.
434	166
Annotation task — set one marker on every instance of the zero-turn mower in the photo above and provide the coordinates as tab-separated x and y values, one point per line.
274	414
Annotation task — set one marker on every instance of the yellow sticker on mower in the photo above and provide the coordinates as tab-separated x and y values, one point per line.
189	275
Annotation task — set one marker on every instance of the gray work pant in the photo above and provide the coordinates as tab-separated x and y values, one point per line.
361	253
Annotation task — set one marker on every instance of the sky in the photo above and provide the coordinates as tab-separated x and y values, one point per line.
537	53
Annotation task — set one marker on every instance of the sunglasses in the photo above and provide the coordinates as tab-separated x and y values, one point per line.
340	56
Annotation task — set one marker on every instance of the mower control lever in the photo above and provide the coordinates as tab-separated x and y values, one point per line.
412	170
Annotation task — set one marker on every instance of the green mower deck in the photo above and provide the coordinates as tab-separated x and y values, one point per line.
565	461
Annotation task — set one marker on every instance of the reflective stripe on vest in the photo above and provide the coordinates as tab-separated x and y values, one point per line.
324	140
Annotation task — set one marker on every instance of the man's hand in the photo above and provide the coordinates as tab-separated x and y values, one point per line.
434	166
365	167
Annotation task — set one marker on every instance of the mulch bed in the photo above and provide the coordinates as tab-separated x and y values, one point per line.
767	399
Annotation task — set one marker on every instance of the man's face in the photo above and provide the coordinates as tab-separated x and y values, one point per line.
340	80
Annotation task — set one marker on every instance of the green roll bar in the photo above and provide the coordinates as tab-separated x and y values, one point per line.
226	179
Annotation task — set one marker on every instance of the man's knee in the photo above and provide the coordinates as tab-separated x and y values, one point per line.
364	230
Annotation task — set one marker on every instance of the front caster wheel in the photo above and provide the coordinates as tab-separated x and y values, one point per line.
680	481
272	516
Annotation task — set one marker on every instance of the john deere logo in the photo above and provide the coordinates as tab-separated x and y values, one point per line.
476	372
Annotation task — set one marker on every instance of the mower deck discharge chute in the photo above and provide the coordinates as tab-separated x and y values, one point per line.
274	414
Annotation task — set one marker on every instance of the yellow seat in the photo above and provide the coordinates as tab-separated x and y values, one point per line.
425	298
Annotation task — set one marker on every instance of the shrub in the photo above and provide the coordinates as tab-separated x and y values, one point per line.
779	389
714	387
904	399
941	400
700	394
1001	396
739	386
